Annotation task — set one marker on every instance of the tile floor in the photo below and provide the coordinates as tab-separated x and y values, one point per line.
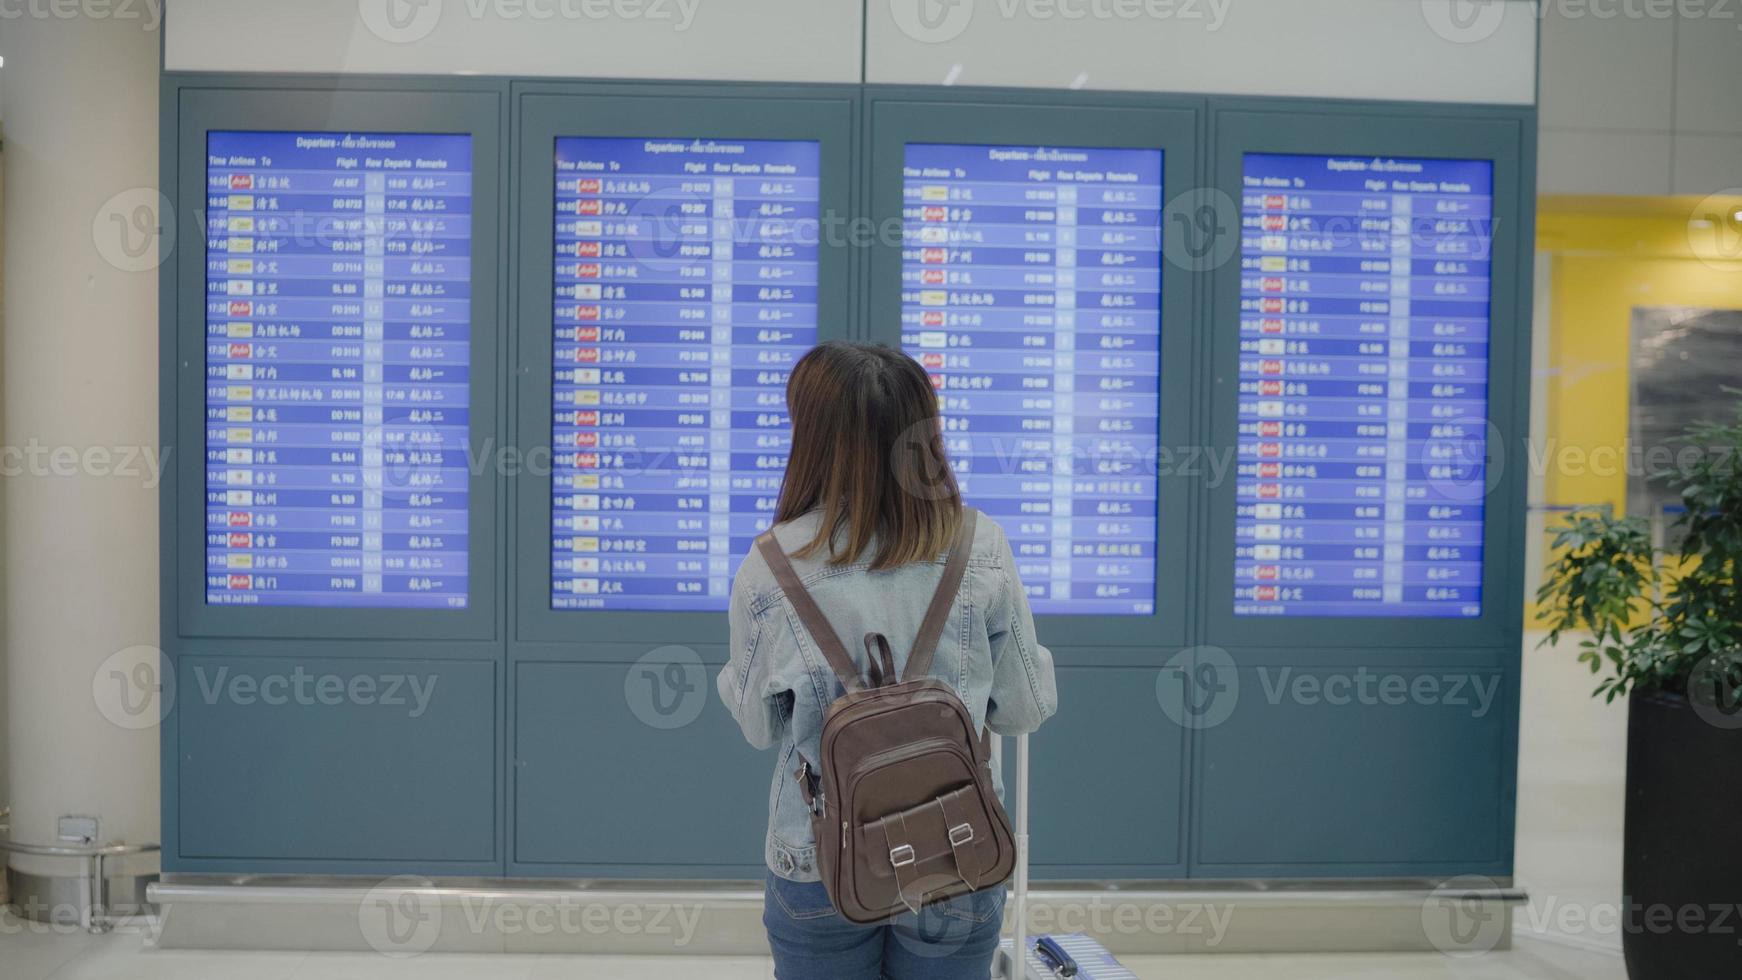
28	953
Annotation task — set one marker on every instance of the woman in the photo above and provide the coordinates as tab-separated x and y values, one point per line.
867	511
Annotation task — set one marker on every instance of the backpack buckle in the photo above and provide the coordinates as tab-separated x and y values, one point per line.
961	834
902	856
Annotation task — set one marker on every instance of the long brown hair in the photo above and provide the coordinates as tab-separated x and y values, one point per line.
868	451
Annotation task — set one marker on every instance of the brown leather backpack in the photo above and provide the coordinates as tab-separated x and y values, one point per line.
902	806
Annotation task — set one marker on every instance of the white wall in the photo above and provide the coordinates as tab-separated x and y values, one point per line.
1641	98
1430	50
1370	49
78	100
787	40
5	771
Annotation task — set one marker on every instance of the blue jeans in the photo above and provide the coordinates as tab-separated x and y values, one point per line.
951	940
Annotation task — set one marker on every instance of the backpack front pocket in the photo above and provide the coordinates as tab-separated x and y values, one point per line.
942	847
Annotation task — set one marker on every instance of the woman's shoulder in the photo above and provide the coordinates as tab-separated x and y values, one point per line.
990	547
798	532
754	578
990	544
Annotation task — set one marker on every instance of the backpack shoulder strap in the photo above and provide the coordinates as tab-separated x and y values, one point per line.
932	627
815	623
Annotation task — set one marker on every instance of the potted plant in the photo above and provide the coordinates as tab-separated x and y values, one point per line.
1664	629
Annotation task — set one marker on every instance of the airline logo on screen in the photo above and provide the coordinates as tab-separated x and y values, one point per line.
1363	386
337	323
1031	294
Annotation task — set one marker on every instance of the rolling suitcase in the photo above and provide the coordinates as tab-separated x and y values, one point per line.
1048	957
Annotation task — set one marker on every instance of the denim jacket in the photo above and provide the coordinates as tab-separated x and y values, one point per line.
777	683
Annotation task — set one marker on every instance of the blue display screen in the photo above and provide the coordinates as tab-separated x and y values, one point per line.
1363	386
1031	292
685	290
337	325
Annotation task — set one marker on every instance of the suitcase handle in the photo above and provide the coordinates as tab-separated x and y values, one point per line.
1054	956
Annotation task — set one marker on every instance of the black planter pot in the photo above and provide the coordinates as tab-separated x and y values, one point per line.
1682	874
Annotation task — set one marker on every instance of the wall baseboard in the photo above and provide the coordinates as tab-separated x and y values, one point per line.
407	916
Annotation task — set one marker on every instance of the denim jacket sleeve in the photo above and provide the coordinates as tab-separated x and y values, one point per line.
1024	691
750	685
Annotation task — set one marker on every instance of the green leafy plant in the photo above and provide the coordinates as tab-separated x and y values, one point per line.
1653	617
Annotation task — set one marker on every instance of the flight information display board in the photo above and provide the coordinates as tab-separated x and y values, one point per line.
338	272
1363	377
685	289
1031	292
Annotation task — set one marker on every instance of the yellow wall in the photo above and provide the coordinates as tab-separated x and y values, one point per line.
1609	256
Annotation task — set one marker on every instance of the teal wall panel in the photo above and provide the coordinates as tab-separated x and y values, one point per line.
1108	779
1320	771
634	769
538	757
336	760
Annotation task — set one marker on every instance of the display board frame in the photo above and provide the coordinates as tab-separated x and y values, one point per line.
1279	126
900	116
208	824
472	110
547	112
